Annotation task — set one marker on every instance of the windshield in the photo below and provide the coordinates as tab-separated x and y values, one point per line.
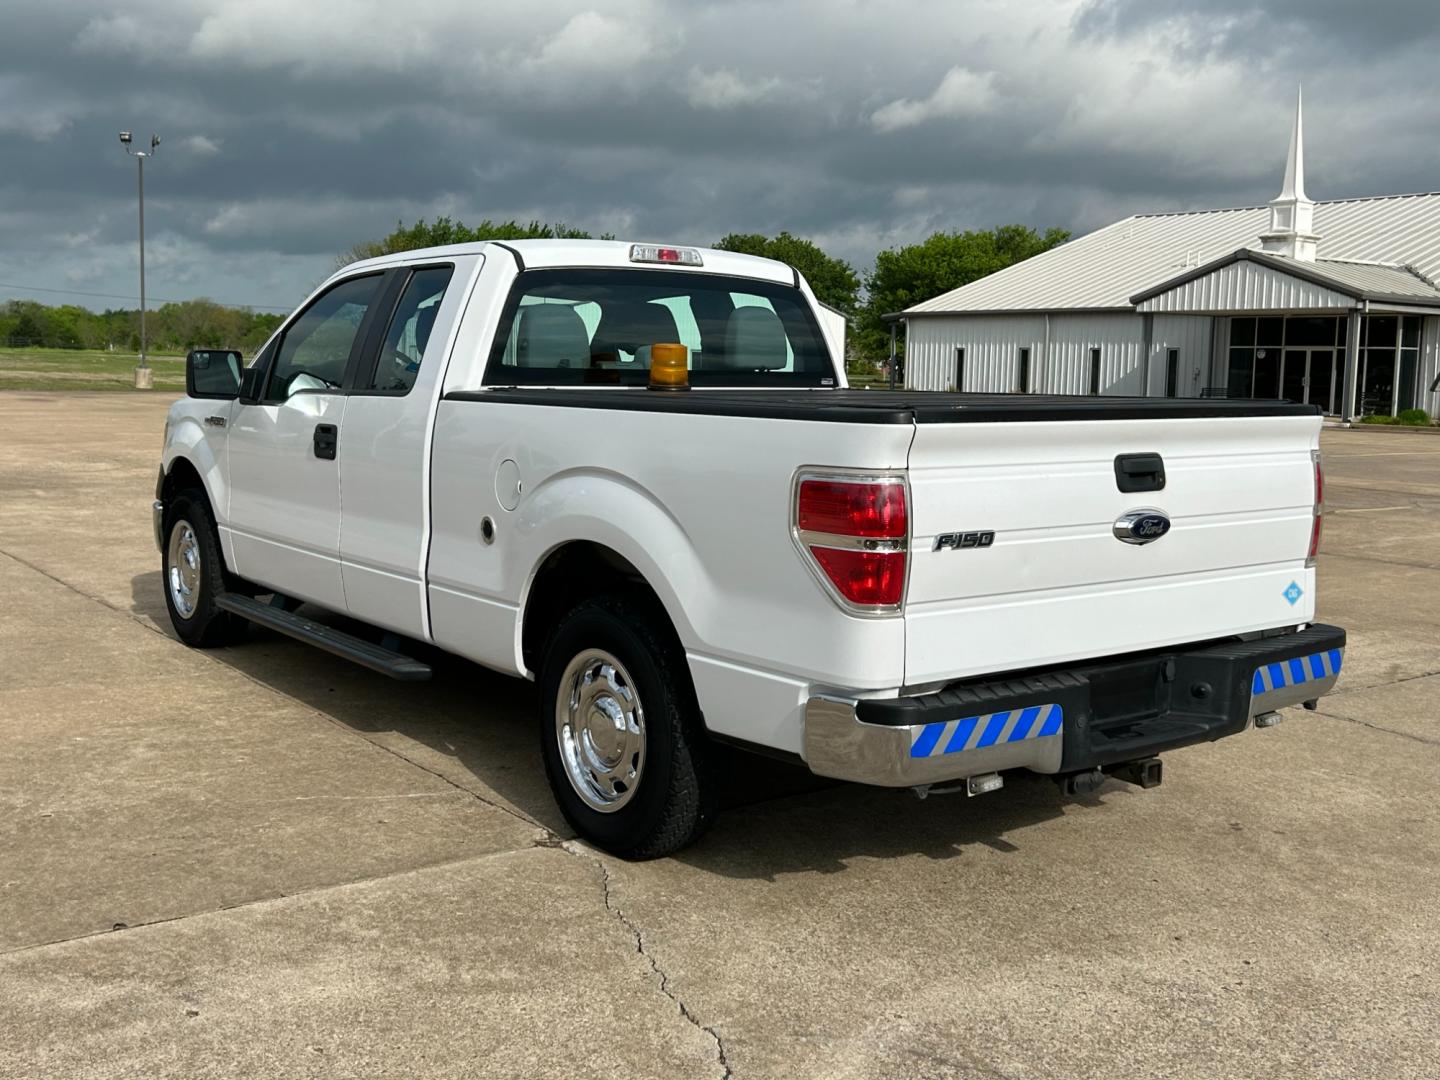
563	327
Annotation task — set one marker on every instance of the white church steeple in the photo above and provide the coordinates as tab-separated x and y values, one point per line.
1292	214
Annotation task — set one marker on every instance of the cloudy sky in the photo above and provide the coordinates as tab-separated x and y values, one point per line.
294	128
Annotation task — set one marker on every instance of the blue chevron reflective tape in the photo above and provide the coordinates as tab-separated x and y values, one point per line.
1295	672
974	732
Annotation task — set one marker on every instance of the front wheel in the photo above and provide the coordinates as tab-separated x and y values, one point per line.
620	731
193	574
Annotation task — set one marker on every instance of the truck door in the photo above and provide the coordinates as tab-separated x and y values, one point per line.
284	518
385	445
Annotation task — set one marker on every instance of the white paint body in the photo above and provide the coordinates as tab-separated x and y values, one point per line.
700	505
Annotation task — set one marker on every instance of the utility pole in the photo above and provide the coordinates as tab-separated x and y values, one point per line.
144	376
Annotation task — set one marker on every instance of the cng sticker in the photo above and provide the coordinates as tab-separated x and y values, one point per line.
1293	593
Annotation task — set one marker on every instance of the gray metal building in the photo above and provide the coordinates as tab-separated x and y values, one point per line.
1334	303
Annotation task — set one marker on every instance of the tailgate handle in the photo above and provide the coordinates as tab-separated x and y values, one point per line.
1140	472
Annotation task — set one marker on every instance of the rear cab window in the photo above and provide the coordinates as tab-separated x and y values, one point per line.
598	326
408	334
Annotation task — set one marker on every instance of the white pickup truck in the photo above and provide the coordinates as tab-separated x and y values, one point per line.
635	475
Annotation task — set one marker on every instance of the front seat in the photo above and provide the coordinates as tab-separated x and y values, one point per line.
552	336
754	341
424	323
633	325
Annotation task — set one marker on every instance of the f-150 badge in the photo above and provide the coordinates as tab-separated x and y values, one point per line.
1142	526
957	540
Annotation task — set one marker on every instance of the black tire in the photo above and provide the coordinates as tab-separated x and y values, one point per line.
205	626
673	798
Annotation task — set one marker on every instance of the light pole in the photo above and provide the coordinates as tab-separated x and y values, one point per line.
144	377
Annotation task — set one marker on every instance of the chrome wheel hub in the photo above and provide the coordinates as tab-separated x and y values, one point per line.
600	728
182	569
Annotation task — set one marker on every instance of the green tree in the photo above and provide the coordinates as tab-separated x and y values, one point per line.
170	328
260	326
445	230
25	330
834	280
66	326
906	276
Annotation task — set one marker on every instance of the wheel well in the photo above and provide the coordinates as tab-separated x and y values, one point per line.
570	574
182	476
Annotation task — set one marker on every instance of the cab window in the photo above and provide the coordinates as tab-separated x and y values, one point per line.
316	347
564	327
409	332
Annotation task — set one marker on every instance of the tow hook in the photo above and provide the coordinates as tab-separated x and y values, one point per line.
1267	719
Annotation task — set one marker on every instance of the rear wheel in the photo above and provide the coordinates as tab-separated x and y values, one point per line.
620	731
193	574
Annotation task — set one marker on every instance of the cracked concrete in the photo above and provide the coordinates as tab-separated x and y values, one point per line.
317	872
662	978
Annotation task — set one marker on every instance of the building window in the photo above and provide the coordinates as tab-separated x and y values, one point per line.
960	369
1297	358
1024	387
1095	372
1172	372
1390	360
1405	391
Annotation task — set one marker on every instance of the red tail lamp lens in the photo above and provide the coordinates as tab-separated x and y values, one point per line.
855	530
866	578
843	508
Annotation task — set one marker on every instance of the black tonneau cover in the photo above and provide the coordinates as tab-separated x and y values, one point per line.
883	406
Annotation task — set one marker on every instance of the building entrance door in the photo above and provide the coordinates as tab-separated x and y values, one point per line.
1321	389
1308	376
1293	374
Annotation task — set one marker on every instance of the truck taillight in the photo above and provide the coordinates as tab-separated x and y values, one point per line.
854	531
853	508
1319	512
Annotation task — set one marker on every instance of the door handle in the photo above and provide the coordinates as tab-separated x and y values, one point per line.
1140	472
327	439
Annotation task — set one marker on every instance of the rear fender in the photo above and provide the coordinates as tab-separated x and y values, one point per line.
613	511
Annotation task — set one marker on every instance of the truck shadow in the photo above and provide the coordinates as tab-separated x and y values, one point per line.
822	832
477	730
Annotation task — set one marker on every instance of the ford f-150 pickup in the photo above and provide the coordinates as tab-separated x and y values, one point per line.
635	475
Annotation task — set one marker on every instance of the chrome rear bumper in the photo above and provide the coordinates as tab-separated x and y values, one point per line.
1066	720
841	745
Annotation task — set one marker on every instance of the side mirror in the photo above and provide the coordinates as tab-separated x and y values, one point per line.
213	373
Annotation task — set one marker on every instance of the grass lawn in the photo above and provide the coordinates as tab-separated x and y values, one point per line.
83	369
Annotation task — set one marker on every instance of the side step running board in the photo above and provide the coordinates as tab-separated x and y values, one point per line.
365	653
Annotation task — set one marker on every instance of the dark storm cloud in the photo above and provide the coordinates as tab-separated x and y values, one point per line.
293	131
1325	30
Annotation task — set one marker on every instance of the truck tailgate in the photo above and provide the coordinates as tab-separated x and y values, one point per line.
1056	584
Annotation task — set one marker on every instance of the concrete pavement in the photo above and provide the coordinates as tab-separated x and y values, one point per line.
262	861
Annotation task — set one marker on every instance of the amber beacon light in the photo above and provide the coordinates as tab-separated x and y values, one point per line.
669	367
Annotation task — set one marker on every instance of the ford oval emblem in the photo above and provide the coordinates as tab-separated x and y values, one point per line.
1142	526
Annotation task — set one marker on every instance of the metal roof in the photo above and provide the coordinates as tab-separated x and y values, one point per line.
1373	281
1103	269
1340	279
